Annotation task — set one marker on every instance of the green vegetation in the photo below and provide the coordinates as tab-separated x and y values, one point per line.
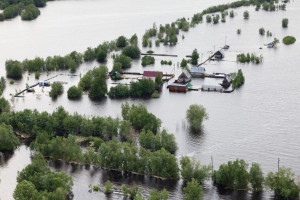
108	186
238	79
74	92
239	31
183	24
193	191
285	22
14	69
2	86
8	140
155	142
195	116
142	88
195	56
156	195
231	14
283	183
246	15
246	58
119	91
37	75
125	61
94	81
31	12
158	80
37	181
289	40
208	19
261	31
56	89
256	177
131	51
148	60
216	19
131	193
183	63
165	62
121	42
155	94
11	82
191	169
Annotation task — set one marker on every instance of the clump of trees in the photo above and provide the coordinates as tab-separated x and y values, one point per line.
31	12
4	105
287	40
239	31
165	62
122	62
56	89
155	142
14	69
131	51
121	42
195	116
246	58
148	60
195	57
246	15
37	181
74	92
238	79
285	22
8	140
183	24
94	81
119	91
2	85
261	31
216	19
193	190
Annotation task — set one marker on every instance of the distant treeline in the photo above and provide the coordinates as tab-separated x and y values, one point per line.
28	9
15	69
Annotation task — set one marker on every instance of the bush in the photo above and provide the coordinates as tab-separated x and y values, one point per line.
261	31
246	15
246	58
89	54
239	31
74	92
108	186
96	188
121	42
11	82
11	11
119	91
195	56
37	75
283	184
231	14
31	12
208	19
14	69
239	79
142	88
193	191
131	51
195	116
148	60
156	195
289	40
8	140
56	90
124	60
285	22
183	63
256	177
98	142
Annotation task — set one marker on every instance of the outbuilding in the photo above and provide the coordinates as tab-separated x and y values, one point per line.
211	88
184	77
175	87
219	54
151	74
197	71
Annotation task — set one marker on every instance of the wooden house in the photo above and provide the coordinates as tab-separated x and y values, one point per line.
219	54
175	87
184	77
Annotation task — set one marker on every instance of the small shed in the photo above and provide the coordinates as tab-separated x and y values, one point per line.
175	87
219	54
211	88
114	75
226	82
197	71
184	77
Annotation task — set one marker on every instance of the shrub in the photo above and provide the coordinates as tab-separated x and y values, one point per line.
96	188
239	31
256	177
142	88
208	19
56	90
183	63
155	94
74	92
11	82
8	140
131	51
285	22
119	91
121	42
124	60
14	69
289	40
195	116
89	54
31	12
193	191
148	60
195	56
239	79
231	14
108	186
261	31
246	15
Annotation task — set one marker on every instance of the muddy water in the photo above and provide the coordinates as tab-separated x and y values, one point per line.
259	122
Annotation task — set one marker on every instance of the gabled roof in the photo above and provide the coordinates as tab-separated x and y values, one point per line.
220	52
185	74
197	69
151	73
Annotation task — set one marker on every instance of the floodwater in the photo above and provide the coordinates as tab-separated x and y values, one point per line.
258	122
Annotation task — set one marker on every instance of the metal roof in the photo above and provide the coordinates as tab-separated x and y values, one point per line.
197	69
151	73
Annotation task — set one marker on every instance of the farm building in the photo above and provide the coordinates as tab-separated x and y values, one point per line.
211	88
151	74
226	82
175	87
184	77
197	71
219	54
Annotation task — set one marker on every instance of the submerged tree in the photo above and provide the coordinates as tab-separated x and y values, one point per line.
195	115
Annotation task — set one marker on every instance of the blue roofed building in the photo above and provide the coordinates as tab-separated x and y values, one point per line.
197	71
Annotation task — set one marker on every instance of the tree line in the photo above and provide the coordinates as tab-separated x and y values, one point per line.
28	9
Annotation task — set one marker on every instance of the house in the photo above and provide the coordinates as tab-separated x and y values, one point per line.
226	82
197	71
211	88
151	74
175	87
114	75
219	54
184	77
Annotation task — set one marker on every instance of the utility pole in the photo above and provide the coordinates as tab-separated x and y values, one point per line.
278	163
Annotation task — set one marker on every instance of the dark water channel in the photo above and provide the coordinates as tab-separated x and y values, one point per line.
259	122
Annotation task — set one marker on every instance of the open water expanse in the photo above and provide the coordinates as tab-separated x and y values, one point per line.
258	122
